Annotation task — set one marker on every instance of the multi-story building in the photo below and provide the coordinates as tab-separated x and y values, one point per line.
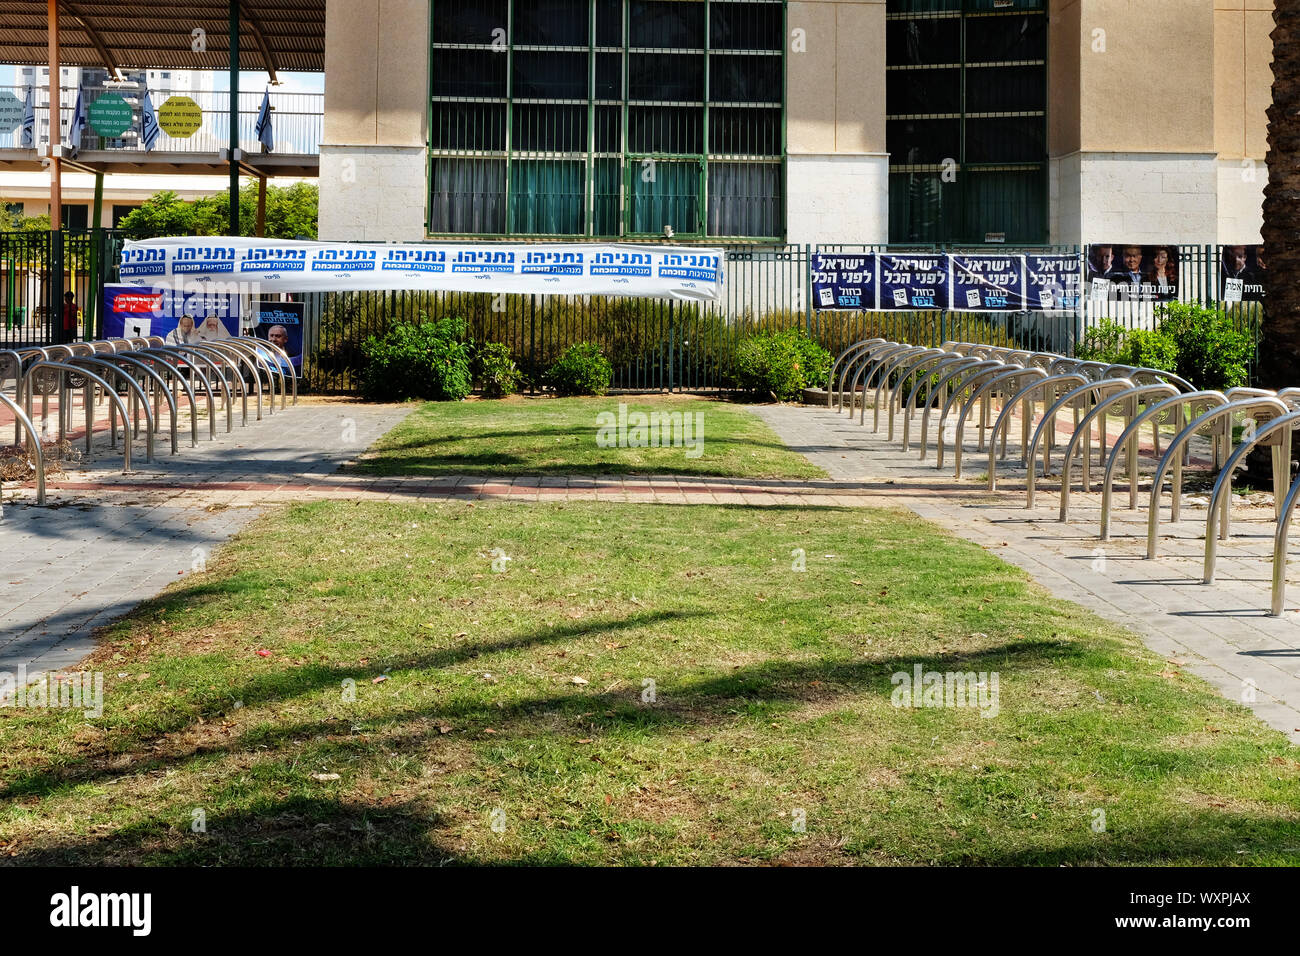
856	121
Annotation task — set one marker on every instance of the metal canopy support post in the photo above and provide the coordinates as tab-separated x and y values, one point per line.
97	259
261	206
234	117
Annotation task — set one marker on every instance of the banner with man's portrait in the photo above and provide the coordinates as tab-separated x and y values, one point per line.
1242	270
1129	272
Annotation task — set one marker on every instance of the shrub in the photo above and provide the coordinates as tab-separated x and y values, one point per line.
424	360
581	369
1212	352
781	364
1150	349
495	371
1103	343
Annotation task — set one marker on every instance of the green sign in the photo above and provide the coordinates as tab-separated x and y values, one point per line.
110	115
11	112
180	116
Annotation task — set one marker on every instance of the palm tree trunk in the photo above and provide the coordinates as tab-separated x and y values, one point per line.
1280	348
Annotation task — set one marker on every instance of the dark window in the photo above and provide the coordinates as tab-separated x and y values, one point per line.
966	97
674	117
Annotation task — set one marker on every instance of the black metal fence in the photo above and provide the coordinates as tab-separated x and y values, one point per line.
653	345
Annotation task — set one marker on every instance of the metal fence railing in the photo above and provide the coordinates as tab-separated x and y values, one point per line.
297	119
653	345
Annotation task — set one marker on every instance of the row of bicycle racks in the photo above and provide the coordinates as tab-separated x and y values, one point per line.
961	385
135	378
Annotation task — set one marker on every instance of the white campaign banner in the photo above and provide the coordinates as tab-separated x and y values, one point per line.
287	265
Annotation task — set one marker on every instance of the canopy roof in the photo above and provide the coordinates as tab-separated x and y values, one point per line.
275	35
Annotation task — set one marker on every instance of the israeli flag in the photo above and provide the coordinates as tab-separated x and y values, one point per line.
77	124
149	130
29	120
265	135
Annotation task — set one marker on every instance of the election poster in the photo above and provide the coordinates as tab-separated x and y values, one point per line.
913	281
281	324
178	317
1132	273
988	283
1052	282
1242	270
844	281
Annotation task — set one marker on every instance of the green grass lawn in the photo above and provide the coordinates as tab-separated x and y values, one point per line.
558	436
507	717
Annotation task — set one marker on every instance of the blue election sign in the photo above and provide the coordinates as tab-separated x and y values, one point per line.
844	282
913	281
1053	282
988	283
280	323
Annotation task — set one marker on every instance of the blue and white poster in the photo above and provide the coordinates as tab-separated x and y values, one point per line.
844	281
988	283
257	267
913	281
176	316
281	324
1053	282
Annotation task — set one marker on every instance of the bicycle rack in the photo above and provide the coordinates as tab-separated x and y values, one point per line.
1024	398
1221	441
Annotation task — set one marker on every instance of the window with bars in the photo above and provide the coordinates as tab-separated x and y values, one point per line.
607	118
966	103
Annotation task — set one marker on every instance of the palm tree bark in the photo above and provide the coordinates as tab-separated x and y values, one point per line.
1279	364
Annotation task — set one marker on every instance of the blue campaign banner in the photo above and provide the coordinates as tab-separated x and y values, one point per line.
1053	282
176	316
913	281
281	324
988	283
844	281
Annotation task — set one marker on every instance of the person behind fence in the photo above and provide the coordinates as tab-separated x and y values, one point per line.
70	311
184	333
1161	277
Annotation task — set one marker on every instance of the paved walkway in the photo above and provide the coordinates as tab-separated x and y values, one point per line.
68	568
1220	632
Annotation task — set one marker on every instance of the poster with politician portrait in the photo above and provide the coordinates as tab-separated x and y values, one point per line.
1129	272
280	323
1242	271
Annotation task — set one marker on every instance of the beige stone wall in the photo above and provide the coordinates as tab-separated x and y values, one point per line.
1243	78
836	86
376	72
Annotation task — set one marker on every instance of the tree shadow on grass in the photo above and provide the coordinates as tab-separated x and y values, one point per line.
692	705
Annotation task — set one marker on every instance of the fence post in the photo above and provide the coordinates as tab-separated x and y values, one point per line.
808	289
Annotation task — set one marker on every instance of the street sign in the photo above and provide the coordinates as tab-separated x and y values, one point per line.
180	117
110	116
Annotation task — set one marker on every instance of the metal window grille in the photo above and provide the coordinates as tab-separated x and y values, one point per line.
966	102
607	118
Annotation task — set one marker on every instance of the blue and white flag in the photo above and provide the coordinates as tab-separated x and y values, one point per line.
29	120
149	130
265	134
77	124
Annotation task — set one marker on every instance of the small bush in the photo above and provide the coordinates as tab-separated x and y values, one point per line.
1212	352
1103	343
427	360
495	371
1147	349
581	369
781	364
